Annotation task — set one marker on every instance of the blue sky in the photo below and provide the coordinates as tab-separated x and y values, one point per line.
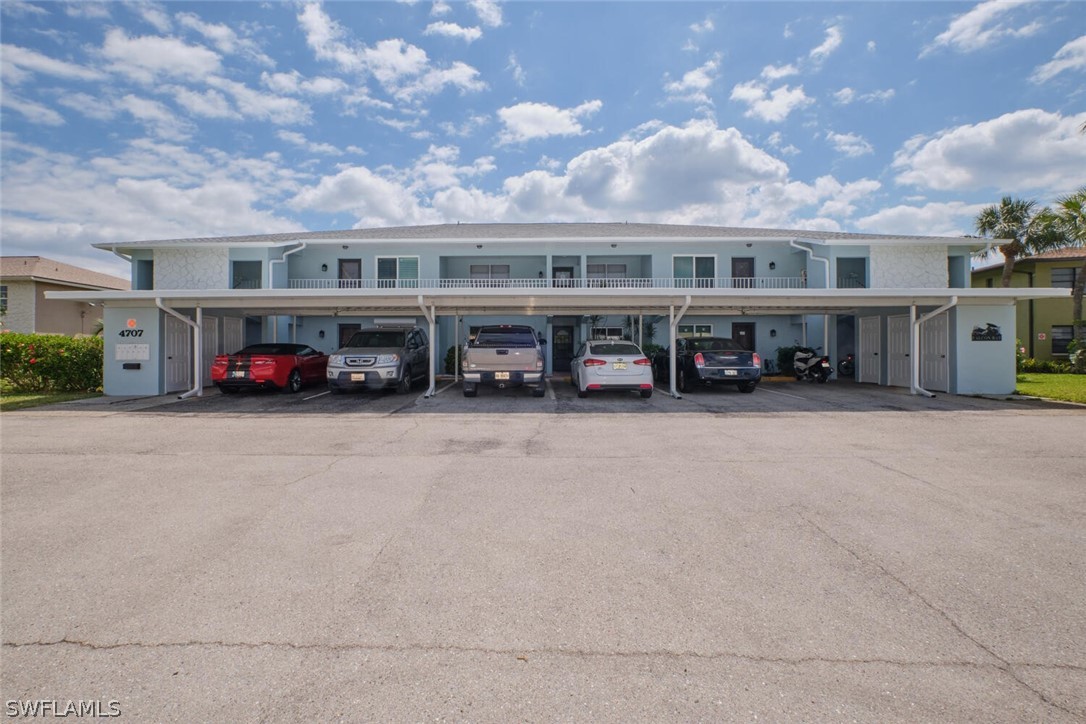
125	120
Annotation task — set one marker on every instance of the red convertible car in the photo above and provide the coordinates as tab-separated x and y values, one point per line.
284	366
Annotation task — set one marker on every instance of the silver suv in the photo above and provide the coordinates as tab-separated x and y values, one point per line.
380	357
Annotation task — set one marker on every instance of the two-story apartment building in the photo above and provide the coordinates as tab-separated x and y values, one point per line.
1045	326
904	305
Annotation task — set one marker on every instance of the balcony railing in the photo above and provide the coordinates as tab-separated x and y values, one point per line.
631	283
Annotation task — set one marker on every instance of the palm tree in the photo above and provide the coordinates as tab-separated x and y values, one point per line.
1068	219
1020	226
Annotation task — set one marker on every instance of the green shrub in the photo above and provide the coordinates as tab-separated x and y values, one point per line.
1044	366
51	362
786	360
450	361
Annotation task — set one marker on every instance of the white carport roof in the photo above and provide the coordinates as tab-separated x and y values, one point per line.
555	301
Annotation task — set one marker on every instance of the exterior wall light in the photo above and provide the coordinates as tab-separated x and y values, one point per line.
321	334
772	265
772	333
324	267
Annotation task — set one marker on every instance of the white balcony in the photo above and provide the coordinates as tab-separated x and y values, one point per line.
632	283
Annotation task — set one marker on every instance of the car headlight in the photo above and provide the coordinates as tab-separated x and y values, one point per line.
335	360
388	359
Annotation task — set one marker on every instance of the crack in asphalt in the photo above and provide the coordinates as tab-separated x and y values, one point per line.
542	651
1004	665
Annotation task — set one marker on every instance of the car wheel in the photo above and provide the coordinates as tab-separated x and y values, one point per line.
582	394
680	380
539	391
646	394
470	390
294	382
404	385
748	386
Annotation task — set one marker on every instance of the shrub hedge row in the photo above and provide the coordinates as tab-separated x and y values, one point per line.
51	362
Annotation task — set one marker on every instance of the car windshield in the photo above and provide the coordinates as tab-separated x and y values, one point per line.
377	338
273	349
505	337
714	344
626	348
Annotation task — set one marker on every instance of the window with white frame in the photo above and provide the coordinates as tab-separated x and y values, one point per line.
607	333
3	297
1064	277
1061	337
606	271
397	271
485	275
694	270
695	330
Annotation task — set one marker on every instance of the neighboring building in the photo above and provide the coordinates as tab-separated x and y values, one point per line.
1044	325
24	280
903	304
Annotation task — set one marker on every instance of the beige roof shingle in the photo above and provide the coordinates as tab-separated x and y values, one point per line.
41	269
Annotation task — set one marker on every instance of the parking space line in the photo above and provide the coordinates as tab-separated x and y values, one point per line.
319	394
550	389
438	390
774	392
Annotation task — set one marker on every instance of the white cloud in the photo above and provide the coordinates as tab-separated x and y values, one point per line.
19	63
530	121
834	36
1072	56
465	128
262	106
776	140
158	118
297	139
373	199
20	9
981	27
95	107
705	26
89	10
850	144
440	8
31	110
770	106
145	59
1016	152
208	104
848	95
154	14
515	68
452	30
871	46
224	38
954	218
489	12
294	83
325	37
694	83
776	72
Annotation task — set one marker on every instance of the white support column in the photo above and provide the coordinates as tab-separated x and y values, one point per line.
672	333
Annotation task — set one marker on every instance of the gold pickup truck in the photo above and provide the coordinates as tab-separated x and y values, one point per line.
504	355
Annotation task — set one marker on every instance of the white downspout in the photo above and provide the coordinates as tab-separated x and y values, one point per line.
271	284
914	344
197	345
825	317
429	314
672	327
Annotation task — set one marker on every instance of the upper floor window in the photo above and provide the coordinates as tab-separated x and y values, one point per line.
694	271
145	274
695	330
483	275
397	271
606	271
245	275
1064	277
607	333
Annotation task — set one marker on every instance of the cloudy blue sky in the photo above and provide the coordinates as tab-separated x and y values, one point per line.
141	120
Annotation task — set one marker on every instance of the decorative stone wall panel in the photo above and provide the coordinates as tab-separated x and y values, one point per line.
908	267
192	269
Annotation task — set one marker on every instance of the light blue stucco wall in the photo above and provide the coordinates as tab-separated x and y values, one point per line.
983	367
147	380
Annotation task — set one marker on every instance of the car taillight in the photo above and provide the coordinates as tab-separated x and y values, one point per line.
592	362
644	361
757	359
699	359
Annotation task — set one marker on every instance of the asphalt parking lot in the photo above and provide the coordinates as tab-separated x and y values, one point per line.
802	553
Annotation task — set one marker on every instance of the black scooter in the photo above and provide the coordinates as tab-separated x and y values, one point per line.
811	366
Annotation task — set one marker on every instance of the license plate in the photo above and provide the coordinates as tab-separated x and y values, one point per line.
238	373
731	373
358	377
618	365
501	375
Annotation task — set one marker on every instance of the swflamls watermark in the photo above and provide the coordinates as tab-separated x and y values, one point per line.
34	708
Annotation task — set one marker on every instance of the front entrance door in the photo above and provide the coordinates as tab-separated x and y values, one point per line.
934	366
345	332
350	273
178	355
870	342
897	337
561	348
743	333
563	276
743	272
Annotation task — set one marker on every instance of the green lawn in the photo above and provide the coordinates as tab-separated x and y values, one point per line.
23	400
1069	388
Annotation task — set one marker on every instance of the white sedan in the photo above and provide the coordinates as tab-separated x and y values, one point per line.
605	364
